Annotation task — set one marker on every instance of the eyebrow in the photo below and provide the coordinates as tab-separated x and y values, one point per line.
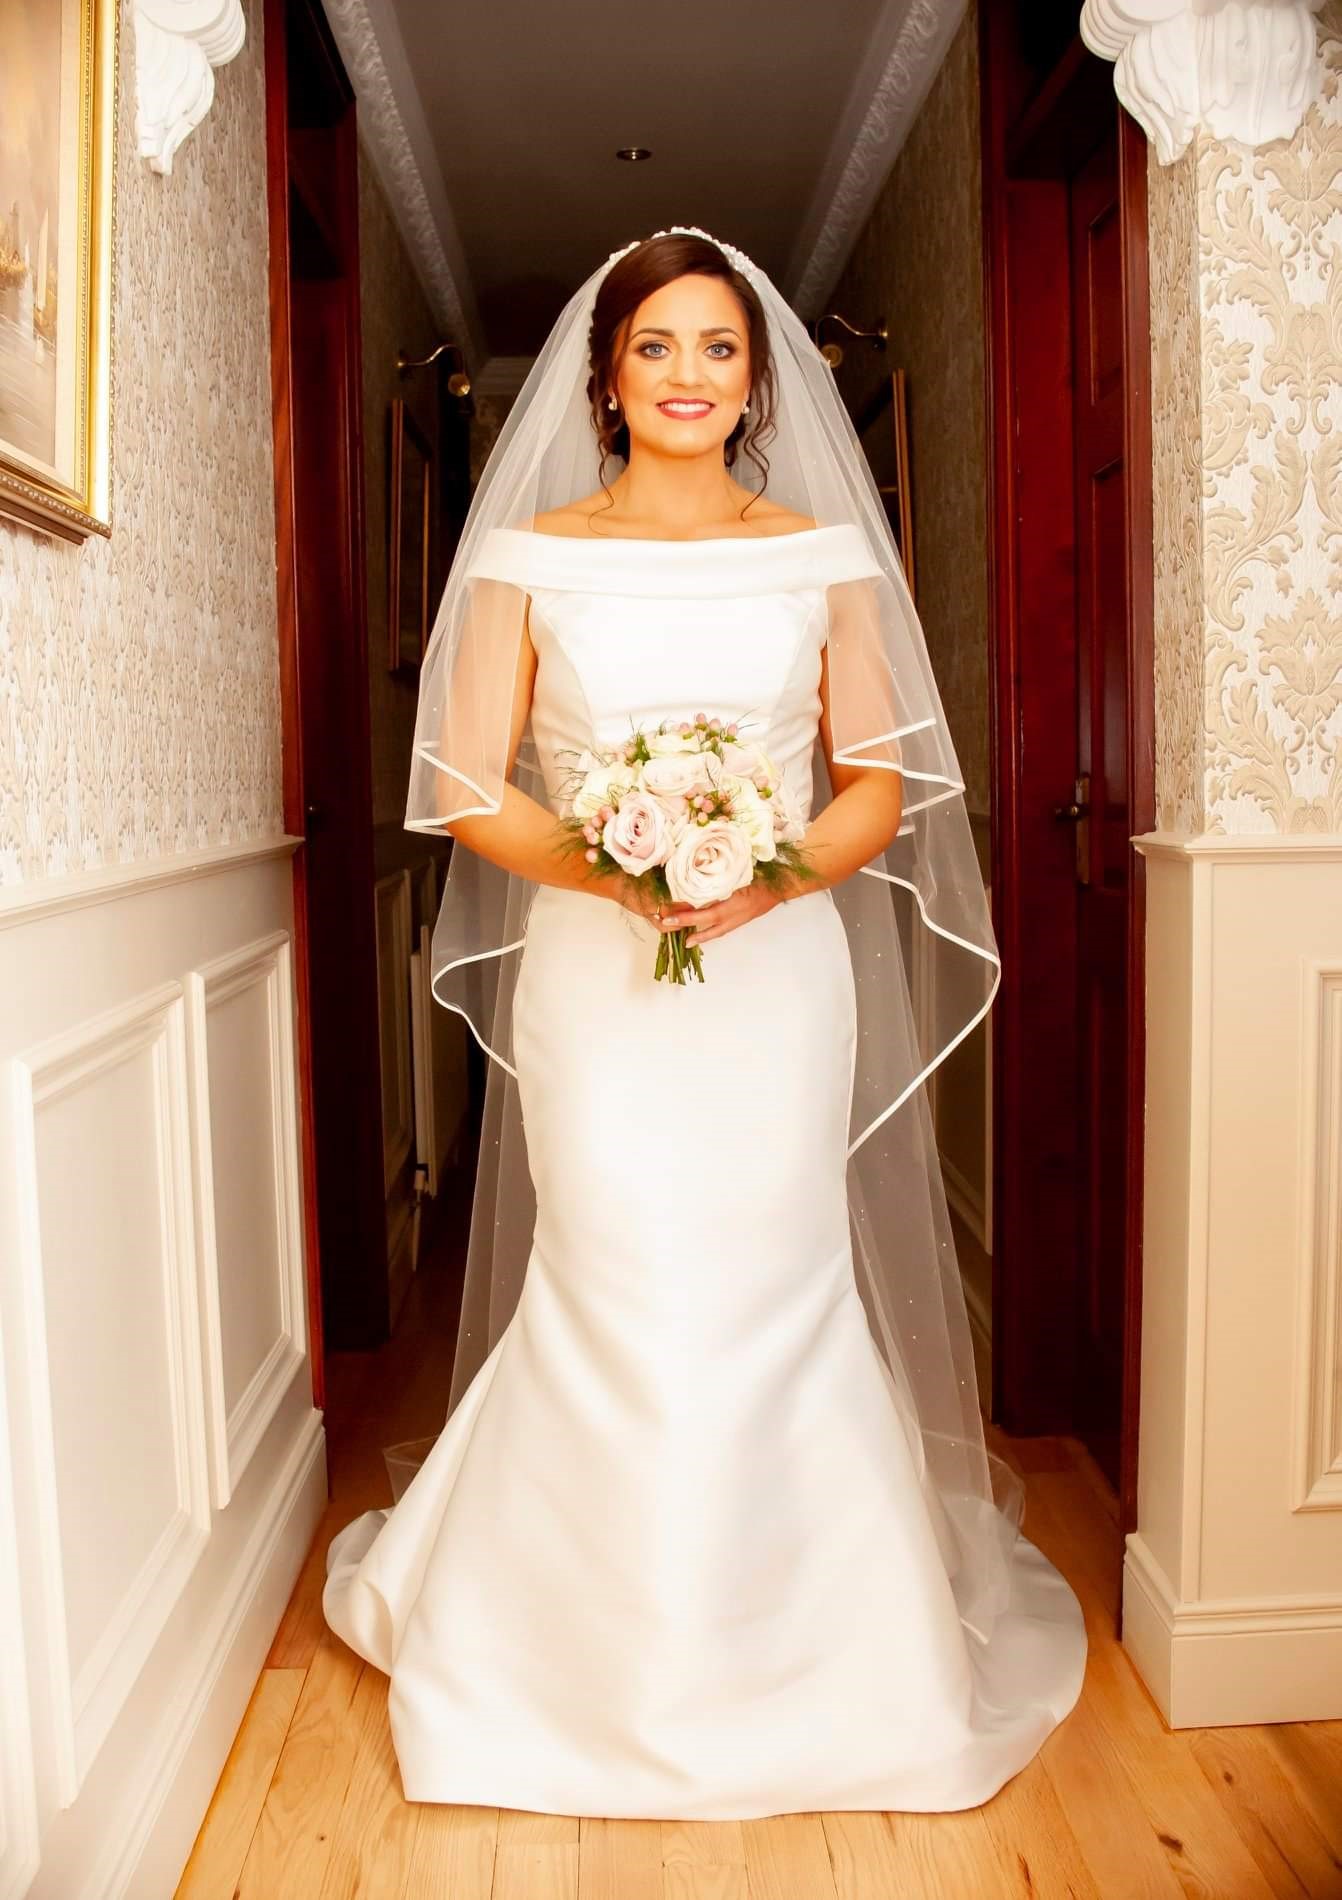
717	329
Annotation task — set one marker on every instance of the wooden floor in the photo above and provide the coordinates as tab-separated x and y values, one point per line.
1113	1806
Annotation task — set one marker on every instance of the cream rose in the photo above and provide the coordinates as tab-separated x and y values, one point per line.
678	775
605	786
789	821
709	862
753	814
662	744
748	761
639	835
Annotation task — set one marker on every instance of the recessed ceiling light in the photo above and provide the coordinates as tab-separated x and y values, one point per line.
633	153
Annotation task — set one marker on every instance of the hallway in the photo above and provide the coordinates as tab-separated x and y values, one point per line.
1115	1804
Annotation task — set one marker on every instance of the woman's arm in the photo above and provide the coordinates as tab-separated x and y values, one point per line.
523	836
864	814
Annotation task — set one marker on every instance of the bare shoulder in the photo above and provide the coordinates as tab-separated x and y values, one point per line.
770	517
572	519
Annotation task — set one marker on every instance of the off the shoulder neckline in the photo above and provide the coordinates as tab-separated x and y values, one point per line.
674	541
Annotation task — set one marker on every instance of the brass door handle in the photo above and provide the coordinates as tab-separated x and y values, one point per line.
1070	811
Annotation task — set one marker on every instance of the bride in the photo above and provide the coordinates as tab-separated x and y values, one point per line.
711	1530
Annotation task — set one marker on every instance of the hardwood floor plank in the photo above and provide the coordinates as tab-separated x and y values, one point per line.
690	1880
235	1808
703	1843
1293	1855
1036	1854
537	1870
620	1860
787	1858
289	1849
372	1847
454	1852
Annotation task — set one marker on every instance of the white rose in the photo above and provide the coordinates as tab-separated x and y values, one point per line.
660	744
709	862
604	786
639	835
753	814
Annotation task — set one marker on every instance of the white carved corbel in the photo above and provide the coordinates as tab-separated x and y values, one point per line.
1247	70
178	43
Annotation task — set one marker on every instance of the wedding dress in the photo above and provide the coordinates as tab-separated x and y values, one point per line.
676	1552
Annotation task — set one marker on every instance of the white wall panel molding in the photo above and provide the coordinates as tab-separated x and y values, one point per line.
101	1303
1231	1606
903	58
178	44
260	1191
48	897
20	1854
1246	70
1317	1460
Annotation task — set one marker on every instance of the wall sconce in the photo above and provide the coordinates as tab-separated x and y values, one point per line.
833	352
458	383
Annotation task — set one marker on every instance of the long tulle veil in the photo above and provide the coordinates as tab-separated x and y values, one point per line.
924	954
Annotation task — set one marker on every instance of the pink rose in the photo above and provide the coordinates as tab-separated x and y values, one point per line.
709	862
638	835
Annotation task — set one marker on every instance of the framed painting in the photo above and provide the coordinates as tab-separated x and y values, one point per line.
58	62
883	429
409	539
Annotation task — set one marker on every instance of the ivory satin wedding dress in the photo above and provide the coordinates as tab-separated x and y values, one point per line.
675	1554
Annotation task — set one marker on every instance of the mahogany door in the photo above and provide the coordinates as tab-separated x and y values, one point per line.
1099	813
1071	685
317	378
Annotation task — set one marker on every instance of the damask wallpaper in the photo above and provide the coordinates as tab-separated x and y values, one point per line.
139	681
1246	251
918	263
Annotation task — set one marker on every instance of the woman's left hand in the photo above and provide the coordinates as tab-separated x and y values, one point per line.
715	920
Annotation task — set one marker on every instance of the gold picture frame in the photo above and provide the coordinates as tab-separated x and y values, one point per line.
883	430
410	465
58	103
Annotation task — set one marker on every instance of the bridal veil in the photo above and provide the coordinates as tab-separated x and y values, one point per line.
924	954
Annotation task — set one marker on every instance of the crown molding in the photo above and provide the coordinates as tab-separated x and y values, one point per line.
178	44
903	58
1246	70
396	137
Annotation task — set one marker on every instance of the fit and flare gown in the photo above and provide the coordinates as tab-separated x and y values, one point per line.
671	1556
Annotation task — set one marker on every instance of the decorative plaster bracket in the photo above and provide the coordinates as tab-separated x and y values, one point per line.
178	43
1247	70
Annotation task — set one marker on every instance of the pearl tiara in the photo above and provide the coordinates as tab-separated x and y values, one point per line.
737	259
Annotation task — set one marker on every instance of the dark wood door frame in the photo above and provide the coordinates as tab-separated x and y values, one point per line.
1034	135
316	383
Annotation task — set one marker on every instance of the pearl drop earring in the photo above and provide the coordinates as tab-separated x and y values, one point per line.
611	403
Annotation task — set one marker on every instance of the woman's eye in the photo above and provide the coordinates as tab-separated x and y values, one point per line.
723	346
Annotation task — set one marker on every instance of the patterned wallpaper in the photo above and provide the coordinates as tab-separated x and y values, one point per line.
1247	313
926	229
139	684
395	315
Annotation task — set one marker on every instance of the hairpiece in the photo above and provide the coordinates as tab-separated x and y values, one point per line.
737	259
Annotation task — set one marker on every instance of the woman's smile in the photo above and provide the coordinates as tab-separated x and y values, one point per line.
686	409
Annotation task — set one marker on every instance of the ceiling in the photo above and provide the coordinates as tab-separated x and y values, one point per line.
771	123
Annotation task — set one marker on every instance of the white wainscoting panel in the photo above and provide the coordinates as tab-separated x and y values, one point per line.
104	1297
1232	1591
162	1465
248	1197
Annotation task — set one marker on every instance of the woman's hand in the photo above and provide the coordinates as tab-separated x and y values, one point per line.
715	920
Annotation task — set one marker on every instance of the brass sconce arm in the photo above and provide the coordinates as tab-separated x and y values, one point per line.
458	383
833	352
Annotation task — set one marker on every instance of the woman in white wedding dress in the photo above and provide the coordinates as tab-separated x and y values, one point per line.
710	1530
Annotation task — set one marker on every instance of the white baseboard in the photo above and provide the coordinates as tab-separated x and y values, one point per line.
1216	1664
149	1847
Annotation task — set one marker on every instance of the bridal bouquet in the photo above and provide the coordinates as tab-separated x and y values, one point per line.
692	809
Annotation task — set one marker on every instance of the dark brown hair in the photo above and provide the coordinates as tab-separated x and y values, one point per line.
635	276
